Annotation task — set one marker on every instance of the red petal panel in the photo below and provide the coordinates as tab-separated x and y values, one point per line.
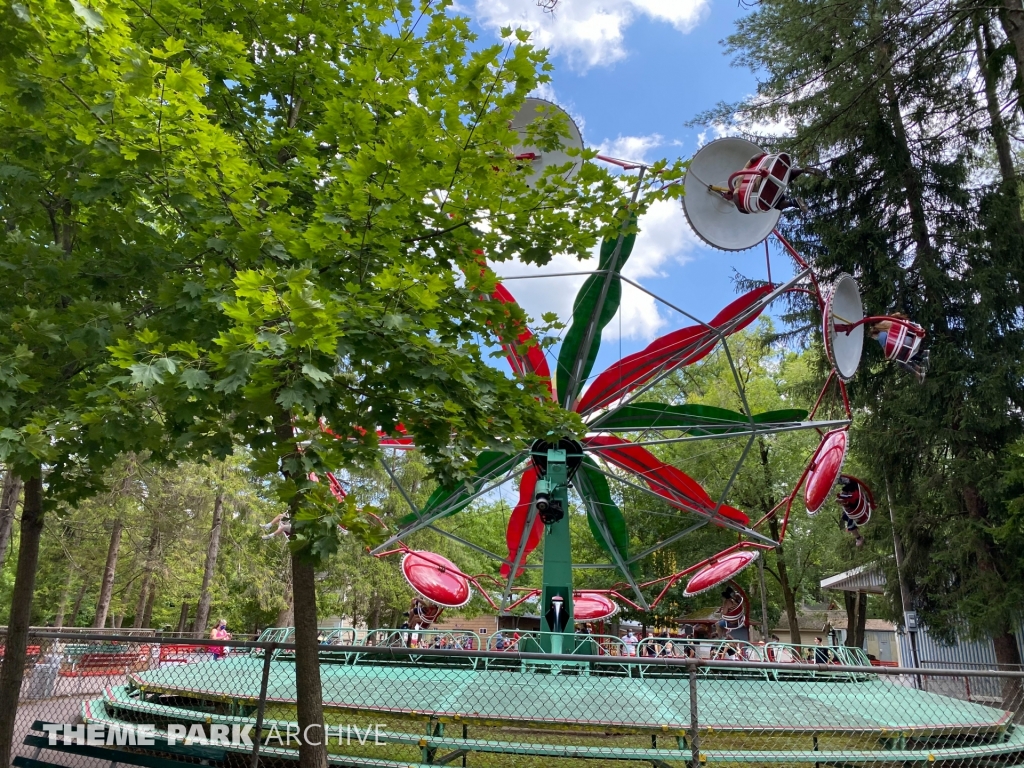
436	578
634	370
675	486
741	305
683	347
533	361
517	522
824	469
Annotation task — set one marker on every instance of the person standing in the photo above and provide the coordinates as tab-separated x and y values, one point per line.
648	647
219	632
630	640
821	653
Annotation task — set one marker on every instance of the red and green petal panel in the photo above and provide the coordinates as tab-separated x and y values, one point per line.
675	486
679	348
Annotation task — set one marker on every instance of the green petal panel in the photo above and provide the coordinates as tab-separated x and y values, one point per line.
695	419
489	464
597	497
585	311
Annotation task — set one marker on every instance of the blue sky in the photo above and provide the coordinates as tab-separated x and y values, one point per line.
632	73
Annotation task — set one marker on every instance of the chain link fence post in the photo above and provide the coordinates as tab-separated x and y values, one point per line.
694	724
268	656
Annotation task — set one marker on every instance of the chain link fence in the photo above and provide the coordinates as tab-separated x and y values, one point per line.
401	698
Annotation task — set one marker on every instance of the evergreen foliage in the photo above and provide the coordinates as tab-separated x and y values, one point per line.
907	107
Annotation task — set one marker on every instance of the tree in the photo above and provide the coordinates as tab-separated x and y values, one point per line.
901	104
212	551
355	169
109	570
8	505
71	287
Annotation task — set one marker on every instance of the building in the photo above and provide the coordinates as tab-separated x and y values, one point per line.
917	648
880	638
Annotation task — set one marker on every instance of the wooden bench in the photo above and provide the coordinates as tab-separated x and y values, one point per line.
31	654
107	663
180	654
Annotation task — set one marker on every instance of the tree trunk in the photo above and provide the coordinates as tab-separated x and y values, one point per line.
1011	16
926	256
396	617
13	669
1000	135
78	603
107	585
117	621
286	616
856	618
309	695
910	174
183	617
147	617
58	622
213	548
788	595
140	602
146	588
1008	653
309	703
8	504
850	603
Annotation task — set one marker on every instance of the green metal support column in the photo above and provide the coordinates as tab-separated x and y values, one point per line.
557	575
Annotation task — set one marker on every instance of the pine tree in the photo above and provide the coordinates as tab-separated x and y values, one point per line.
905	106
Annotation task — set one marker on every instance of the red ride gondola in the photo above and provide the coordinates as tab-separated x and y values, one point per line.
436	578
719	571
762	185
592	606
857	503
902	341
856	499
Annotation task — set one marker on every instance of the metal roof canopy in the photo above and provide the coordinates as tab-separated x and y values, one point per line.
867	578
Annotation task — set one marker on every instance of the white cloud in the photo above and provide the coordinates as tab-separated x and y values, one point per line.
631	147
740	125
664	238
587	32
545	91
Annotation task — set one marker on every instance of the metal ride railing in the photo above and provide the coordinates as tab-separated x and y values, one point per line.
457	640
817	654
705	650
540	642
392	705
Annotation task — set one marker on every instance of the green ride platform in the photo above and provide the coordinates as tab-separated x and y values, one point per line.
617	712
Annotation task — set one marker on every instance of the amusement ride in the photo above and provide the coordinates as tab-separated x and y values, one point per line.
560	694
734	195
